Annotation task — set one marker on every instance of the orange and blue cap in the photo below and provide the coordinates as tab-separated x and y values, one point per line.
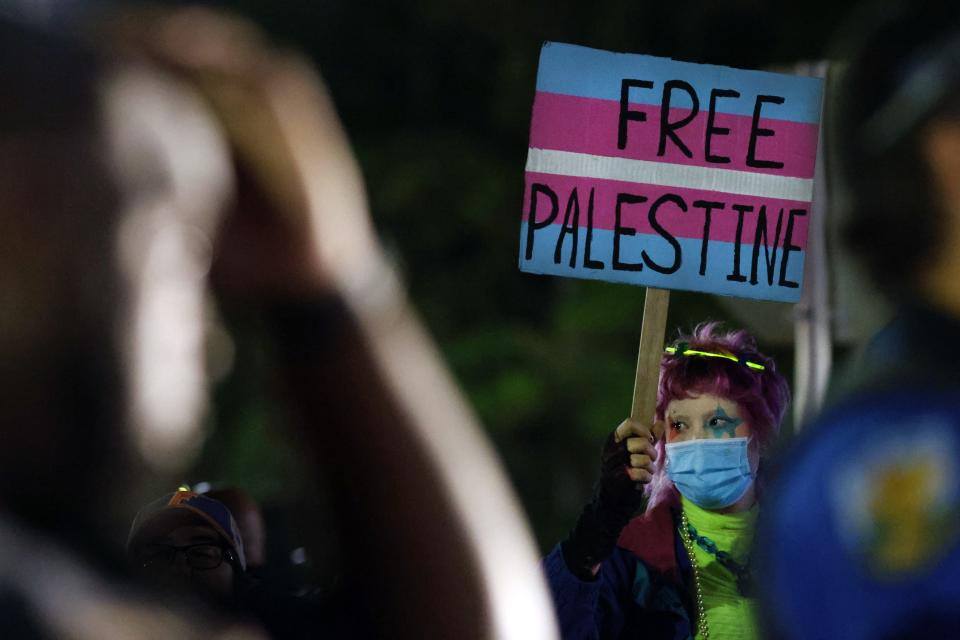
179	506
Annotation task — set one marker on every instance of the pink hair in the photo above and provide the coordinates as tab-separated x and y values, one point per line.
762	396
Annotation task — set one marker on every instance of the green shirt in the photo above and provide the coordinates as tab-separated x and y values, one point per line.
729	615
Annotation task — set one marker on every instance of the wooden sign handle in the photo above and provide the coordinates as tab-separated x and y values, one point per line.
652	333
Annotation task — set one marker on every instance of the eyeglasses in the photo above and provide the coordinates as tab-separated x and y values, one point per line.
681	350
202	557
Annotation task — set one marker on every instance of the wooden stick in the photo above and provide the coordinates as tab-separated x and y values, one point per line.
652	333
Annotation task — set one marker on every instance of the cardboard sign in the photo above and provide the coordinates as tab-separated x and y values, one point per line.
669	174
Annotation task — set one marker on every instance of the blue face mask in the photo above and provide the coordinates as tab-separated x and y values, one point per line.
713	474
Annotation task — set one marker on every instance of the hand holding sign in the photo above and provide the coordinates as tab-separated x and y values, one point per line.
638	440
616	498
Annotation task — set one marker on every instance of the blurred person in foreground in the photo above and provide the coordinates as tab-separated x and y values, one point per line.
862	536
76	401
185	146
681	568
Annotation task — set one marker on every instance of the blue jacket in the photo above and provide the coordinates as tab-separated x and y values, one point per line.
641	590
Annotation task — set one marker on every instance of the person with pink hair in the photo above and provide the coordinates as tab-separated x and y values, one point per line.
681	567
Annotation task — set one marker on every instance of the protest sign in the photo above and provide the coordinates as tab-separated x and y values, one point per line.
669	174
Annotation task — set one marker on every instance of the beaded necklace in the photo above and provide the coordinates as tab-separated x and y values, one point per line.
741	572
702	627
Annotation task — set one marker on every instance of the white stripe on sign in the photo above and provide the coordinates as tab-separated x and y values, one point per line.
762	185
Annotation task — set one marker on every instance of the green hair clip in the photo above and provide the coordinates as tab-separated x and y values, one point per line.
682	349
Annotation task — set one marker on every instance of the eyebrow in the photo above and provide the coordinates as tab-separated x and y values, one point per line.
720	411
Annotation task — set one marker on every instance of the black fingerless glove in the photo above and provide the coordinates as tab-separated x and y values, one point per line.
616	499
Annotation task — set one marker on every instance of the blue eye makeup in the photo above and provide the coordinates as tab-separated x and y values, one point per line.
723	424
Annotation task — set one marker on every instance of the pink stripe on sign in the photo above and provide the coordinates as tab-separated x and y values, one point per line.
590	125
688	224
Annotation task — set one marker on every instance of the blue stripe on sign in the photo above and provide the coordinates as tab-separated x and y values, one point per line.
594	73
687	277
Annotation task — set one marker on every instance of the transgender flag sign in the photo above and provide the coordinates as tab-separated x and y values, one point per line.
668	174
